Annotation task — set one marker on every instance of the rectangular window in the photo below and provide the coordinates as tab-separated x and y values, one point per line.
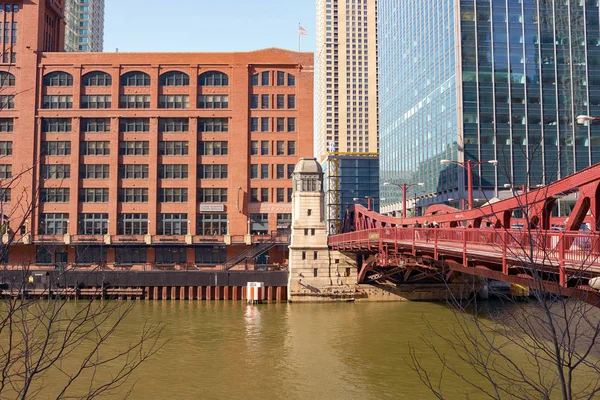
95	171
254	101
264	195
6	125
93	195
171	255
254	148
213	125
264	101
173	148
134	101
133	224
280	101
58	125
173	125
179	101
48	102
280	148
280	171
93	224
137	148
280	195
253	171
254	80
264	147
93	148
5	171
130	255
212	195
212	171
290	170
264	78
254	195
56	148
5	148
259	224
254	124
173	171
133	195
290	191
264	124
133	171
5	194
291	101
264	171
95	101
212	224
215	148
291	148
55	195
291	124
280	78
93	125
213	101
173	195
54	224
134	124
172	224
90	255
55	171
280	124
291	80
210	255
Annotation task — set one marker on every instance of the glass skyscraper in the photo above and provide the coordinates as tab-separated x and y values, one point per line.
485	80
84	25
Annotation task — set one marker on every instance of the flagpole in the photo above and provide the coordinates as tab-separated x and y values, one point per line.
298	37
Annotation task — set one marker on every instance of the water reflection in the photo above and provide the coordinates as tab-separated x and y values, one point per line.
281	351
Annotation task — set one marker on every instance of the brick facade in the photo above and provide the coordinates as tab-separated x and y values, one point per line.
193	130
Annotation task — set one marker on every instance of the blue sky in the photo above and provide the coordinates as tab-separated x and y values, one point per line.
207	25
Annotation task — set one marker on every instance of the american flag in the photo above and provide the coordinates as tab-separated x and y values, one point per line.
301	31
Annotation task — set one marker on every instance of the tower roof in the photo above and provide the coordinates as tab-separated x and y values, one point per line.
308	166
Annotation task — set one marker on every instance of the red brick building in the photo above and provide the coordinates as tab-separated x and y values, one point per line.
145	158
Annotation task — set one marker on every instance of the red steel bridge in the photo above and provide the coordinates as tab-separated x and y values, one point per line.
514	240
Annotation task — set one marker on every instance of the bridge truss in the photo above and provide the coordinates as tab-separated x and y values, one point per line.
512	240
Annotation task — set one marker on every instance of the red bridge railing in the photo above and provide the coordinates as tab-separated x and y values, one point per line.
566	253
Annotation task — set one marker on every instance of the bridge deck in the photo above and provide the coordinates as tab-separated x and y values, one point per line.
567	254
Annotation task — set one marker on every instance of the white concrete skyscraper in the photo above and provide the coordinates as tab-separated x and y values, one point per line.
346	102
84	30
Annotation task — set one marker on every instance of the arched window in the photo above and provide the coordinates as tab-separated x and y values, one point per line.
97	78
213	78
7	79
135	78
58	78
174	78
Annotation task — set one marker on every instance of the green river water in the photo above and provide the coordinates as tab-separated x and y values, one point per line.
231	350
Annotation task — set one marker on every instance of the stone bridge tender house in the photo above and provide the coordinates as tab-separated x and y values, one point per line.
145	159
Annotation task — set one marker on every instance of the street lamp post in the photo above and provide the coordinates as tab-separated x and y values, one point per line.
404	187
368	200
468	165
582	119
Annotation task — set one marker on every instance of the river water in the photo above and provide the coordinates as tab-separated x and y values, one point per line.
286	351
217	350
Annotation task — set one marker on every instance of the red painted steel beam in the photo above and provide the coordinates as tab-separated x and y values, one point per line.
588	295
